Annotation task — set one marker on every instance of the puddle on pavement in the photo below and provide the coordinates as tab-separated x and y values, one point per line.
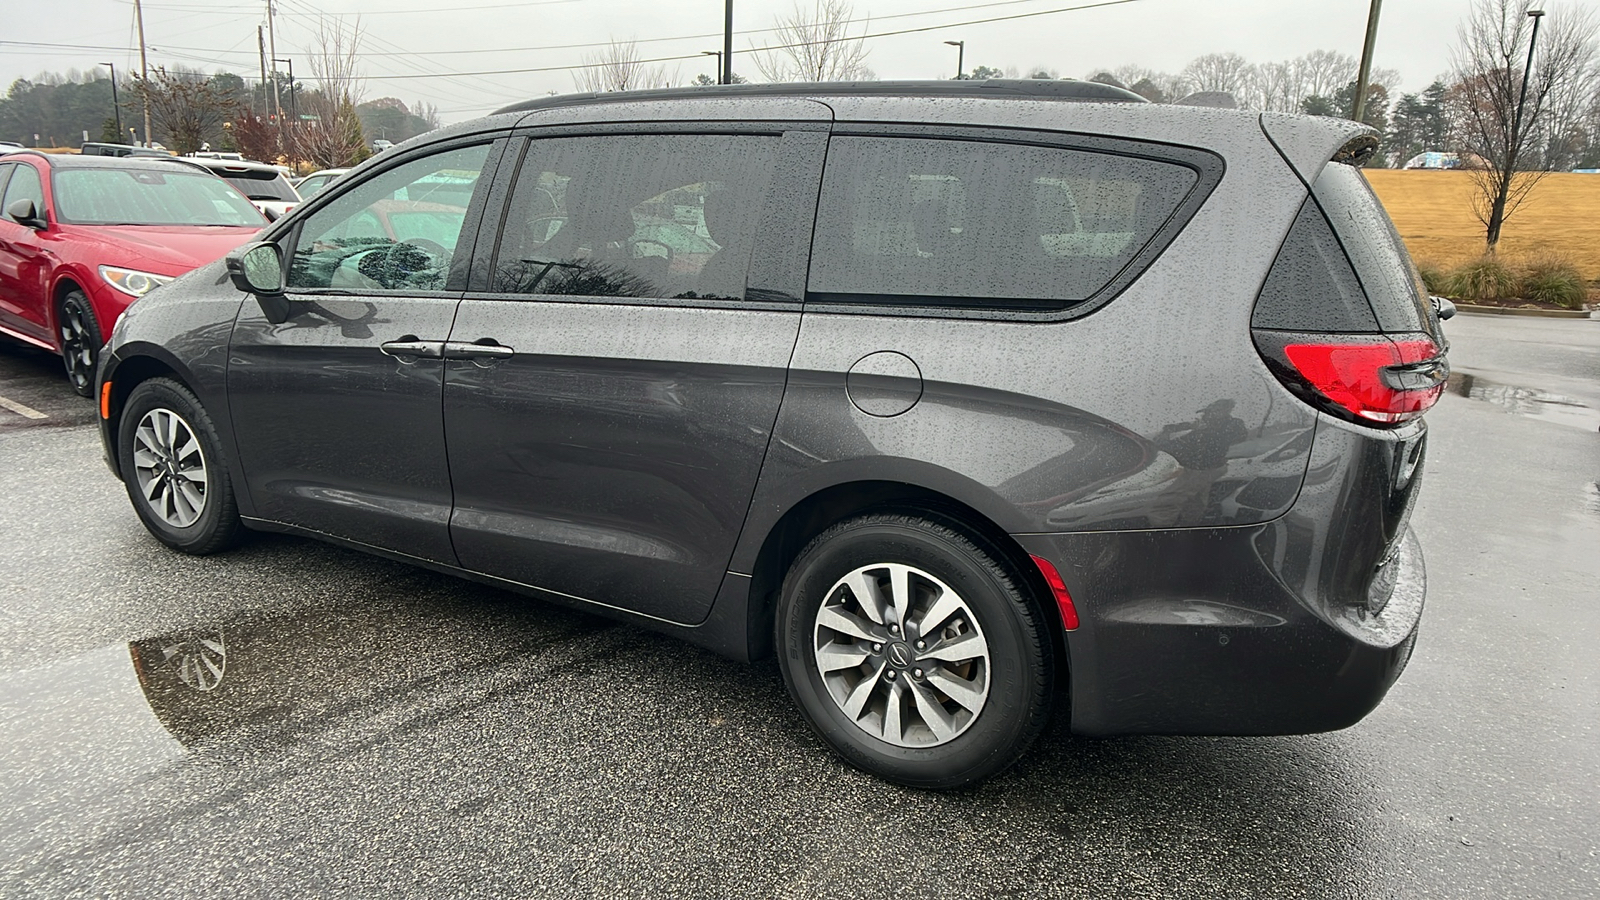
1528	402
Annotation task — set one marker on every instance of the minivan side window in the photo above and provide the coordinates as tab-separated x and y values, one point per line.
988	225
395	231
636	215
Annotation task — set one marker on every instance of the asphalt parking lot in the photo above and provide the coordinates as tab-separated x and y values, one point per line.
383	731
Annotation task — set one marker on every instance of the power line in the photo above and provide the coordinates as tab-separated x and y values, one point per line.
861	37
694	37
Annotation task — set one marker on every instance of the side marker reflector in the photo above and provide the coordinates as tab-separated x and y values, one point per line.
1069	612
105	400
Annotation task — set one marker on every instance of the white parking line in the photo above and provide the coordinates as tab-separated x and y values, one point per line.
21	410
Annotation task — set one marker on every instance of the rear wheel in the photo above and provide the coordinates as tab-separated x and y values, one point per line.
913	651
173	469
80	341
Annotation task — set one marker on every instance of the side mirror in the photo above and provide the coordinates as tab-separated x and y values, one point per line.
23	212
1443	307
257	268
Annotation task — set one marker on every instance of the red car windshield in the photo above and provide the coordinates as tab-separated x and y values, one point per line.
142	197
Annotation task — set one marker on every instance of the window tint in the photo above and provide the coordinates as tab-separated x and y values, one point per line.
956	222
24	185
636	216
263	186
142	197
1375	248
395	231
5	175
1311	286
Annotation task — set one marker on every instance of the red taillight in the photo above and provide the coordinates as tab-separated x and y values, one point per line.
1370	378
1058	588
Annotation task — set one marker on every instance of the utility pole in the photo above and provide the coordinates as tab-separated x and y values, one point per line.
272	45
1366	61
116	108
727	45
261	45
144	70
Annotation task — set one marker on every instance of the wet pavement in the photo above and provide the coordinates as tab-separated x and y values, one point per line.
295	719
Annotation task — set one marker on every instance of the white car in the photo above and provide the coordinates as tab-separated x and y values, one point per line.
265	185
308	186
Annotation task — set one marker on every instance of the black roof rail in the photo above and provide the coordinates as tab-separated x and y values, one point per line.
1011	88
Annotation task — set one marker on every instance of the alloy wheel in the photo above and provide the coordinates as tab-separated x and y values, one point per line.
902	655
170	467
77	346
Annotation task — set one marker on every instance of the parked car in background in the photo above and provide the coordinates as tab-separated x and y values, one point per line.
82	237
96	148
265	185
952	395
308	186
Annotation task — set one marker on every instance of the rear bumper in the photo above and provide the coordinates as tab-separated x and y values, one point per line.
1209	631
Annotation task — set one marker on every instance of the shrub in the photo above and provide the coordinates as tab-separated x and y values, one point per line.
1484	278
1434	277
1553	279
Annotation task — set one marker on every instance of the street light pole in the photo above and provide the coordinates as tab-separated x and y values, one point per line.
718	55
961	58
116	108
1527	71
726	59
1366	61
294	92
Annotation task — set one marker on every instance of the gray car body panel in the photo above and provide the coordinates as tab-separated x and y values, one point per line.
1052	431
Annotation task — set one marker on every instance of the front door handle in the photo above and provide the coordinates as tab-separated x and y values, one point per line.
482	348
409	345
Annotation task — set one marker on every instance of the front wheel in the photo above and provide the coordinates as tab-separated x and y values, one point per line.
80	341
914	652
173	469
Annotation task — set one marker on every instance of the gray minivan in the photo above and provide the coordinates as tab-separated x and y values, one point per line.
954	396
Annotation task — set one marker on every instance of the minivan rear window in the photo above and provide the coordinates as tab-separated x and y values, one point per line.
970	223
1375	249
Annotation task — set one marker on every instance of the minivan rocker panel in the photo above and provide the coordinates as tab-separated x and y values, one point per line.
1194	546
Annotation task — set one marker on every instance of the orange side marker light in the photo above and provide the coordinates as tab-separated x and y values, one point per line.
105	400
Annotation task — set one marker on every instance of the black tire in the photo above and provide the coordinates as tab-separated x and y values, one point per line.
217	526
1019	666
79	333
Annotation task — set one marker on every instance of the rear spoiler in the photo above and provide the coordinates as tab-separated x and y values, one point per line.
1307	143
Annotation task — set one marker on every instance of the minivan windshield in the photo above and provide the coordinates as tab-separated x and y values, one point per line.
142	197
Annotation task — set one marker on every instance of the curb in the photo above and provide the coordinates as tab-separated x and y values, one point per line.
1511	311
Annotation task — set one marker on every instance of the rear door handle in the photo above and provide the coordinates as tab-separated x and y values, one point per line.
409	345
482	348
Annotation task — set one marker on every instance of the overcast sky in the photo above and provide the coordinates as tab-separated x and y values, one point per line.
1414	37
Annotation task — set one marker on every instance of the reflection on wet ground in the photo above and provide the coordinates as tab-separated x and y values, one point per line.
522	749
1591	497
1529	402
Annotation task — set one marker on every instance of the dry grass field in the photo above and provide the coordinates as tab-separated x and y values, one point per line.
1433	211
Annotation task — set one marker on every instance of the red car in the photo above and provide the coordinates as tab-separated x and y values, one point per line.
81	237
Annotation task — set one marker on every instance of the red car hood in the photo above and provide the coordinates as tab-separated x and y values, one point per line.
162	249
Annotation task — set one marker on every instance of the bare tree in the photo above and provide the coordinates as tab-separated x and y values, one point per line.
1218	72
1323	72
185	104
1492	120
428	113
618	67
816	44
335	138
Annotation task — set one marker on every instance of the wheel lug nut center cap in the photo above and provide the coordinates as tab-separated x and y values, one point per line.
899	655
